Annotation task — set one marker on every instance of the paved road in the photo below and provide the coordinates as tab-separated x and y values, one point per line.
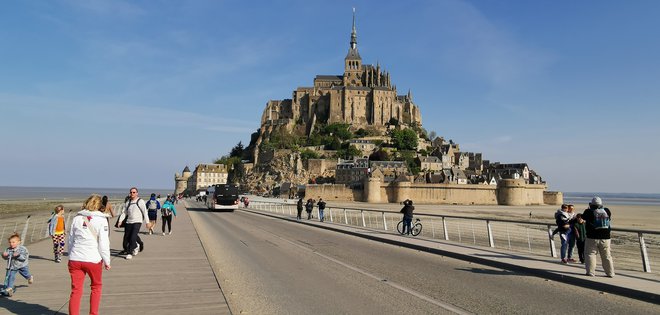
267	265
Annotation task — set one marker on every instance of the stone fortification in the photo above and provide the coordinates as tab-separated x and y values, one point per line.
510	192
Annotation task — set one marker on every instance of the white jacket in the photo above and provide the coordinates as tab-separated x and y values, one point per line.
136	212
83	246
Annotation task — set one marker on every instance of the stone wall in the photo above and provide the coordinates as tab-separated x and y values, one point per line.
333	192
510	192
553	197
320	166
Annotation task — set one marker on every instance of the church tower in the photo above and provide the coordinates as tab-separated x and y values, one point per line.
353	61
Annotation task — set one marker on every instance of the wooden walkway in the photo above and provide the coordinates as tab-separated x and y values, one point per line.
171	276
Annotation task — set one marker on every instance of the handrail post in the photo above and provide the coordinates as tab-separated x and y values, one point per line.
364	223
444	228
25	228
345	217
491	242
645	256
553	252
384	221
330	213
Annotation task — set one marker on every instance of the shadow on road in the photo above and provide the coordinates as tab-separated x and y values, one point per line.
491	271
207	210
18	307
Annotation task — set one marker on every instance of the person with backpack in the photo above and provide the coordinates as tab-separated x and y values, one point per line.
167	211
597	220
135	212
309	206
152	210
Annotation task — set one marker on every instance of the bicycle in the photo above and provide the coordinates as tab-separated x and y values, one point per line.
416	227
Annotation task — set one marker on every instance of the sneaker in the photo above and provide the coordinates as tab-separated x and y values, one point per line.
564	261
163	233
169	233
151	232
31	280
571	260
136	250
58	260
590	275
129	257
9	291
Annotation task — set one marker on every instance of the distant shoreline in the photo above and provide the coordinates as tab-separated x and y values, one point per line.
64	194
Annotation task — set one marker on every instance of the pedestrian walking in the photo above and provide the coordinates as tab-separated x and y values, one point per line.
135	212
299	207
321	205
563	218
89	253
56	230
598	227
168	211
309	206
18	258
152	211
106	208
580	233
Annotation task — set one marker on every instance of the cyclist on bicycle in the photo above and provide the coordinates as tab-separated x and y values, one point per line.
407	211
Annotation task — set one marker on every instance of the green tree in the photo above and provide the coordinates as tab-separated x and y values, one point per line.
308	154
237	150
409	158
361	133
340	130
405	139
380	155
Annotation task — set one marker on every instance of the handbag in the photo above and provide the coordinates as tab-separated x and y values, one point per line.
120	223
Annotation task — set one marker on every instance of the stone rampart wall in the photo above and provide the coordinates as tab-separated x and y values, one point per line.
513	192
333	192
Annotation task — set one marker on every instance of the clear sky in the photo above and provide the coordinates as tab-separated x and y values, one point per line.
122	93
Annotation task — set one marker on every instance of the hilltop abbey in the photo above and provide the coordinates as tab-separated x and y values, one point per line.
363	96
340	139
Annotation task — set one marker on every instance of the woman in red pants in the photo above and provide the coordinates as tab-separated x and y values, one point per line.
89	252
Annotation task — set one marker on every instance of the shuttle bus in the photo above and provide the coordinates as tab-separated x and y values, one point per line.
222	197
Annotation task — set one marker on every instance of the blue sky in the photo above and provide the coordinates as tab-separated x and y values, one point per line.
123	93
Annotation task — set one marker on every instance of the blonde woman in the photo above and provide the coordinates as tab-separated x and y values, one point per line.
56	230
89	252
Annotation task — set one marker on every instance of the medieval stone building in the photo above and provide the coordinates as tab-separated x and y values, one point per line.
363	96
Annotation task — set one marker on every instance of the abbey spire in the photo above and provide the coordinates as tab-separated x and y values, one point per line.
353	61
353	33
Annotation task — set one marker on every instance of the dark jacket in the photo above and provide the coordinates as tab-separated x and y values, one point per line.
407	211
299	206
321	205
592	232
309	206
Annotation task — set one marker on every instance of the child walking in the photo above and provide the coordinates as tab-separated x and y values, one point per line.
17	262
57	233
580	232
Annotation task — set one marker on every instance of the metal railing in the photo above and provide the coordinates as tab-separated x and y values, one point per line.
514	235
34	227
